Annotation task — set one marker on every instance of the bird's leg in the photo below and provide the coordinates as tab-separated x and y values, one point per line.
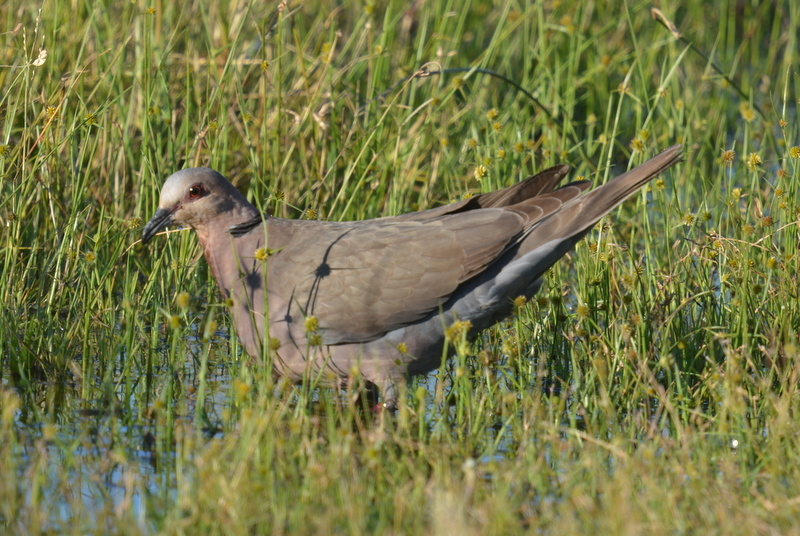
389	394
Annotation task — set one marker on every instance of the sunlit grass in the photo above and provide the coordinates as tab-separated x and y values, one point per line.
650	387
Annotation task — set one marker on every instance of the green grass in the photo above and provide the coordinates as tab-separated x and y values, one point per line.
652	387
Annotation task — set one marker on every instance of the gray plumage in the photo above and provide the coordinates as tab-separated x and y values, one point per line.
384	291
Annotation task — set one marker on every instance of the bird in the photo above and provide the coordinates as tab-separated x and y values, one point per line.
326	300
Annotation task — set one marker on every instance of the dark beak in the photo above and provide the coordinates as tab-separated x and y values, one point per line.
161	219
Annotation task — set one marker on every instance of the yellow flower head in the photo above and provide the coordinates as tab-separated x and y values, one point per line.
311	324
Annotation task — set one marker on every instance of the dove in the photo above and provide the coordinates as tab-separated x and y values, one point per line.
330	300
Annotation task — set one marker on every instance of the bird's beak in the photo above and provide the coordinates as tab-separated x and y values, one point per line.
161	219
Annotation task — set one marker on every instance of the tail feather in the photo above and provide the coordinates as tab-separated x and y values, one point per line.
579	215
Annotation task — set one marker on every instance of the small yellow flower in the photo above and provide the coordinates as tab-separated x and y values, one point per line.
311	214
49	431
175	321
500	154
637	145
90	119
754	160
402	348
457	330
747	112
492	114
783	123
274	343
497	126
472	143
583	311
182	300
90	257
480	172
241	387
567	23
211	327
728	156
311	324
520	301
262	254
315	340
794	152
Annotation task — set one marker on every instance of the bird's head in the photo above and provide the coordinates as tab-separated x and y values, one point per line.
198	197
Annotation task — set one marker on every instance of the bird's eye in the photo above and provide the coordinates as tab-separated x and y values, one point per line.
195	191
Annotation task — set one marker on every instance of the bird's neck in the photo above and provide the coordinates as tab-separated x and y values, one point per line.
227	255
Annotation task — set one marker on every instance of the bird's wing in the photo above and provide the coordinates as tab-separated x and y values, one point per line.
364	279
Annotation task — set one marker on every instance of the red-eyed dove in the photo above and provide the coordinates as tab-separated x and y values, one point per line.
377	296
